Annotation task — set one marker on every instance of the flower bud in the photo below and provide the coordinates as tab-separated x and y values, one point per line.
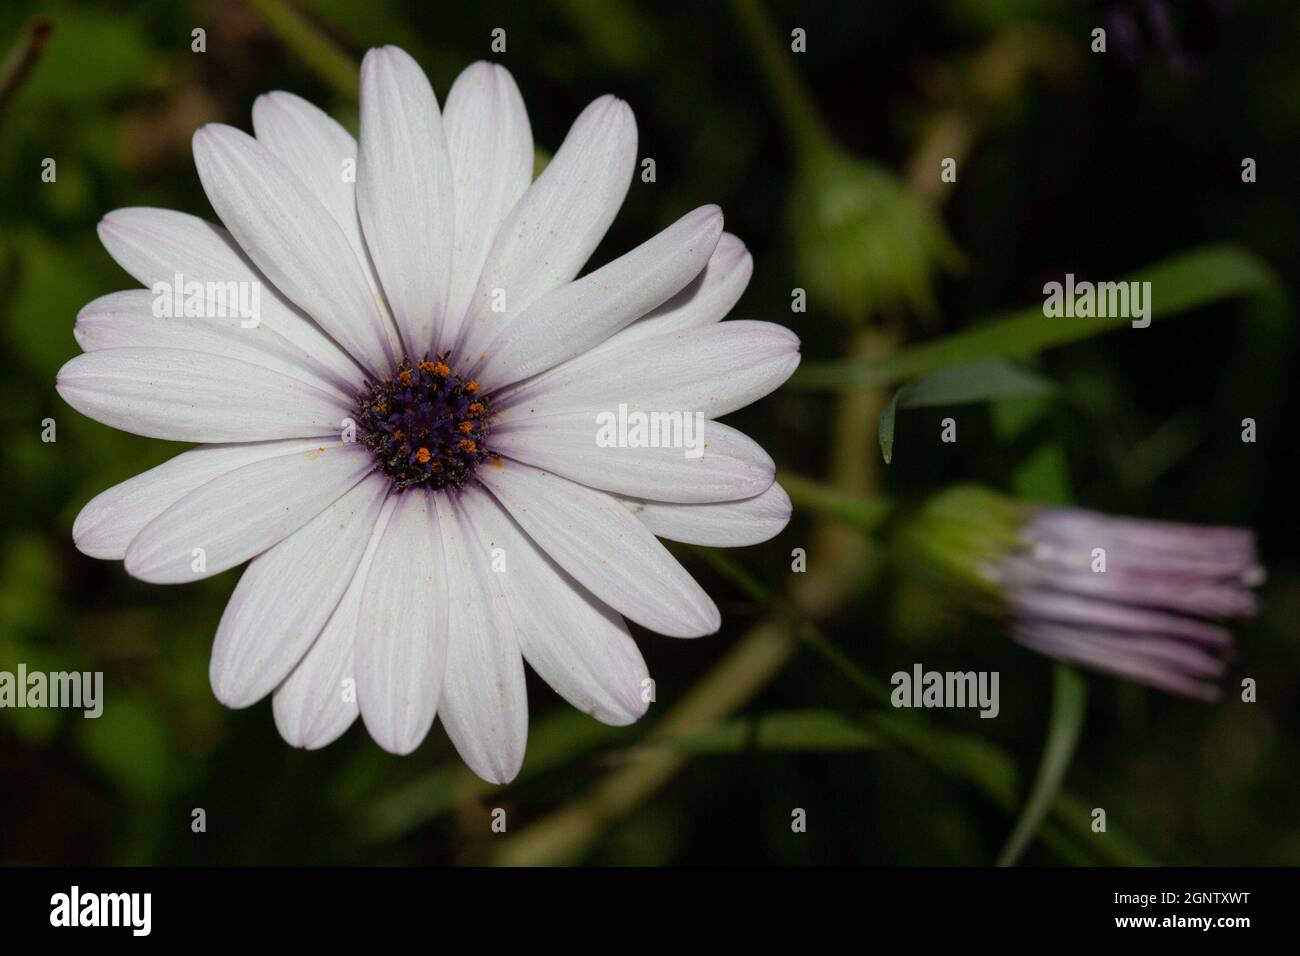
863	245
1139	599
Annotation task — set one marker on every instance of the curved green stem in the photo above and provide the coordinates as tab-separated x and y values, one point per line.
1069	701
802	119
863	512
18	65
318	51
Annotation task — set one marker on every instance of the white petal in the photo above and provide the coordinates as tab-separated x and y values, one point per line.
401	647
195	396
713	462
706	300
318	701
293	239
598	541
723	524
126	320
575	642
491	148
404	192
240	514
287	593
157	245
581	314
484	704
559	221
713	371
323	154
114	517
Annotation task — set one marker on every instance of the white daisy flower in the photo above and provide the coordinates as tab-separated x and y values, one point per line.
404	443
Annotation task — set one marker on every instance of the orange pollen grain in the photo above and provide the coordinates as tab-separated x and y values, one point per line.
405	377
471	386
442	369
423	456
477	408
466	427
466	445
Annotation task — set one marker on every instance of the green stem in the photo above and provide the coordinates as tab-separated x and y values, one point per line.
565	834
317	50
866	514
17	66
1179	284
979	763
807	634
730	568
1069	701
847	667
803	120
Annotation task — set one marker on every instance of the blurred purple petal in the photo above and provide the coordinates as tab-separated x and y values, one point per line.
1151	615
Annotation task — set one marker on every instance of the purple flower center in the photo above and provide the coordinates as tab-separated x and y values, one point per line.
425	424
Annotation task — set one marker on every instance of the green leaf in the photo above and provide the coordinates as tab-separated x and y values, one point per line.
865	513
564	735
979	763
1112	848
1069	702
961	756
130	743
1185	282
958	385
1043	475
806	730
53	286
91	57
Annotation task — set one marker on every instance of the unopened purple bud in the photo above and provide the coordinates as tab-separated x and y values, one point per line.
1136	598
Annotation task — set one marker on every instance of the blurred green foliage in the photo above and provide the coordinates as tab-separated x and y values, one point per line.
1098	172
865	245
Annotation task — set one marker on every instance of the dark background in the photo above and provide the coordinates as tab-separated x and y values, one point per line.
1087	163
